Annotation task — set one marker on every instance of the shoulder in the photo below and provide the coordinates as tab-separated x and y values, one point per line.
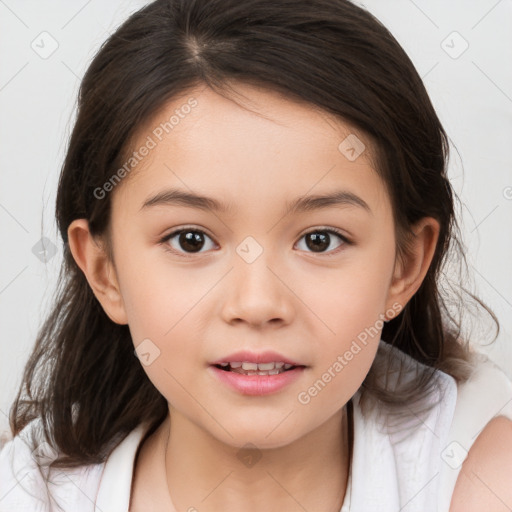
484	479
485	427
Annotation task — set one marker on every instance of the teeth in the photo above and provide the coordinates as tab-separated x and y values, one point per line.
266	366
257	372
272	368
245	365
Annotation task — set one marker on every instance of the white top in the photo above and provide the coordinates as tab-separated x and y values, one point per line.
409	464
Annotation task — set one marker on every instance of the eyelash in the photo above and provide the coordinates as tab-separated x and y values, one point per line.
168	237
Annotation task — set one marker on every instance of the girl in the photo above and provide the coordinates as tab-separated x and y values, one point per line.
255	214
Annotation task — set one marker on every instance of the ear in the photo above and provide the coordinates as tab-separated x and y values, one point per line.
93	260
412	266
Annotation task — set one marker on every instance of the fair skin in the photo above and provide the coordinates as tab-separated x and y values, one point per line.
484	479
197	307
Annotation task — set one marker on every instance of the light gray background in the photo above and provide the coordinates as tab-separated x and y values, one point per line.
471	89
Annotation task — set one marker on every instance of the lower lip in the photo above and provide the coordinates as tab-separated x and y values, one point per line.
258	384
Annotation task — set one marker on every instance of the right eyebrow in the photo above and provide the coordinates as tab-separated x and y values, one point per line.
174	196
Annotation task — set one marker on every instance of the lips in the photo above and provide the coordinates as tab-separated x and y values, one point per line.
257	373
257	383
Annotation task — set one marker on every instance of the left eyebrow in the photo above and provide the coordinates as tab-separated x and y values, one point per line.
301	204
319	202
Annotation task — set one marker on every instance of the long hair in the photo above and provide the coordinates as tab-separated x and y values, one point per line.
83	379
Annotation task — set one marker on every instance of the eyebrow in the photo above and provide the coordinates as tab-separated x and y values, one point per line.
307	203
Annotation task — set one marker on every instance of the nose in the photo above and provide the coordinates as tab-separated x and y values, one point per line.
258	294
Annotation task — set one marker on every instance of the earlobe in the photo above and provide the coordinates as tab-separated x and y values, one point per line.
99	271
412	266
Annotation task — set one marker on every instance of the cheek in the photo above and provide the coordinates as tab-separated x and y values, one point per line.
351	298
162	305
155	293
165	325
351	310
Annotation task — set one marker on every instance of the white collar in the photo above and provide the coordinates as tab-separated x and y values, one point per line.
116	481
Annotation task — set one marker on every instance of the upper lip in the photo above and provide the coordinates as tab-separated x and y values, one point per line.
257	357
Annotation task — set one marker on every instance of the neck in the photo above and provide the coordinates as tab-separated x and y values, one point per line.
308	474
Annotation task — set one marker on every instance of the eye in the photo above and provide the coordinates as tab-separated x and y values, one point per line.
192	240
320	239
188	240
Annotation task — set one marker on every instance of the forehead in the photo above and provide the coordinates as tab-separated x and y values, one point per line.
254	144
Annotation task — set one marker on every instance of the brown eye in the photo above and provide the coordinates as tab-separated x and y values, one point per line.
320	240
186	240
191	241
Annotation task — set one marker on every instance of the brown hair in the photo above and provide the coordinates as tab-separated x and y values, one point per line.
83	379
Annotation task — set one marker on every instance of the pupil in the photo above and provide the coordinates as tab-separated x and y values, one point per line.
318	241
191	240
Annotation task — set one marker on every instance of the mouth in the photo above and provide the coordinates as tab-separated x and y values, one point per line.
257	379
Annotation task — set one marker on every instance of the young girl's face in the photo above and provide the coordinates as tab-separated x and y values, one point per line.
254	276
